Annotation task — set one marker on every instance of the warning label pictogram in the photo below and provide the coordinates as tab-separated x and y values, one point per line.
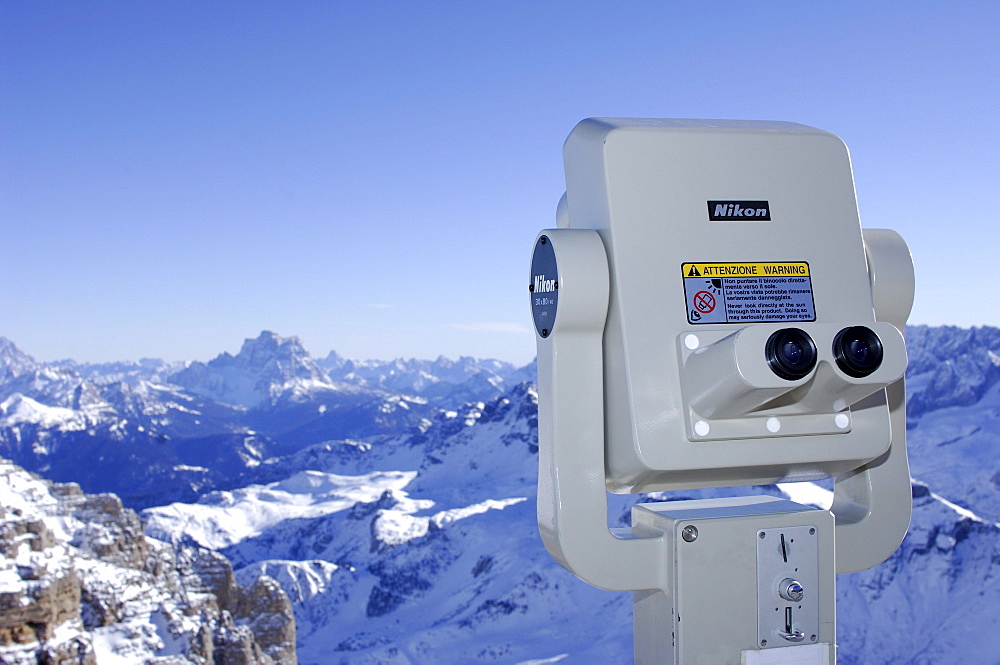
748	292
704	302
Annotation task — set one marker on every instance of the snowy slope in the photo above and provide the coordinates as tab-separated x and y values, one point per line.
433	570
936	600
370	588
221	519
406	533
155	432
80	583
954	414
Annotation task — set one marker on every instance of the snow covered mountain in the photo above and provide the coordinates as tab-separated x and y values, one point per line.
154	432
440	571
402	526
937	598
954	414
80	583
265	369
455	381
442	565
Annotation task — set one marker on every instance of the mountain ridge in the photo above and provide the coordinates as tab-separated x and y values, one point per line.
442	563
202	426
81	583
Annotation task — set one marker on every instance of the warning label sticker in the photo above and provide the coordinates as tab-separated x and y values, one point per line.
748	292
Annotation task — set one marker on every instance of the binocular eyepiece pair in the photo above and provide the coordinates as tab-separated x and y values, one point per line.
791	353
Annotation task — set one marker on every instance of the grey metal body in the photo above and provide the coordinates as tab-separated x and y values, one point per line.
639	389
726	561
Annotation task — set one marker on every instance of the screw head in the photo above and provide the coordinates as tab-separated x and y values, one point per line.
763	643
689	533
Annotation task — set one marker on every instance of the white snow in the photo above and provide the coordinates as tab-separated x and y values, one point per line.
183	409
20	654
545	661
808	494
188	467
221	519
20	409
21	492
108	641
811	494
398	525
960	511
455	514
301	580
152	624
10	581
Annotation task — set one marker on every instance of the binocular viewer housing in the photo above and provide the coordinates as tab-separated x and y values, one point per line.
740	339
709	313
797	380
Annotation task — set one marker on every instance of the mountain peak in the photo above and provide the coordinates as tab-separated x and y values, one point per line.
269	348
271	340
266	367
13	361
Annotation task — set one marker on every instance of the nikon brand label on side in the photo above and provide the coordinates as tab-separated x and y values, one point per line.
748	292
739	211
544	286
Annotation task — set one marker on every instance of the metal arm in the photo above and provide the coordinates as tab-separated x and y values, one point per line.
872	504
572	499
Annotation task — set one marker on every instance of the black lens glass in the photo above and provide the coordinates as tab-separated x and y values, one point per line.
790	353
858	351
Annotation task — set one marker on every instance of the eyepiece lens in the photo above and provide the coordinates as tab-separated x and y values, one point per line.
858	351
790	353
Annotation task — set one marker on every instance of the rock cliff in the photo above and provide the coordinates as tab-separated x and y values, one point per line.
81	583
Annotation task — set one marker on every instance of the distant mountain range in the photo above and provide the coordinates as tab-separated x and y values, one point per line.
154	432
394	501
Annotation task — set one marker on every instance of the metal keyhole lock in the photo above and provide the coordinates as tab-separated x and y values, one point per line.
790	589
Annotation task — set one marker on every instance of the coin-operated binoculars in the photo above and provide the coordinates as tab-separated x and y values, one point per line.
709	313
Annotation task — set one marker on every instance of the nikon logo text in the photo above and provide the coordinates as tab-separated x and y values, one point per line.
543	285
738	211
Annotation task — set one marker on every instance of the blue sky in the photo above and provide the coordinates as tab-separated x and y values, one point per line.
369	176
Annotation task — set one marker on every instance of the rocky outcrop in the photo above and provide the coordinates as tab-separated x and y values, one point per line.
79	580
259	617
